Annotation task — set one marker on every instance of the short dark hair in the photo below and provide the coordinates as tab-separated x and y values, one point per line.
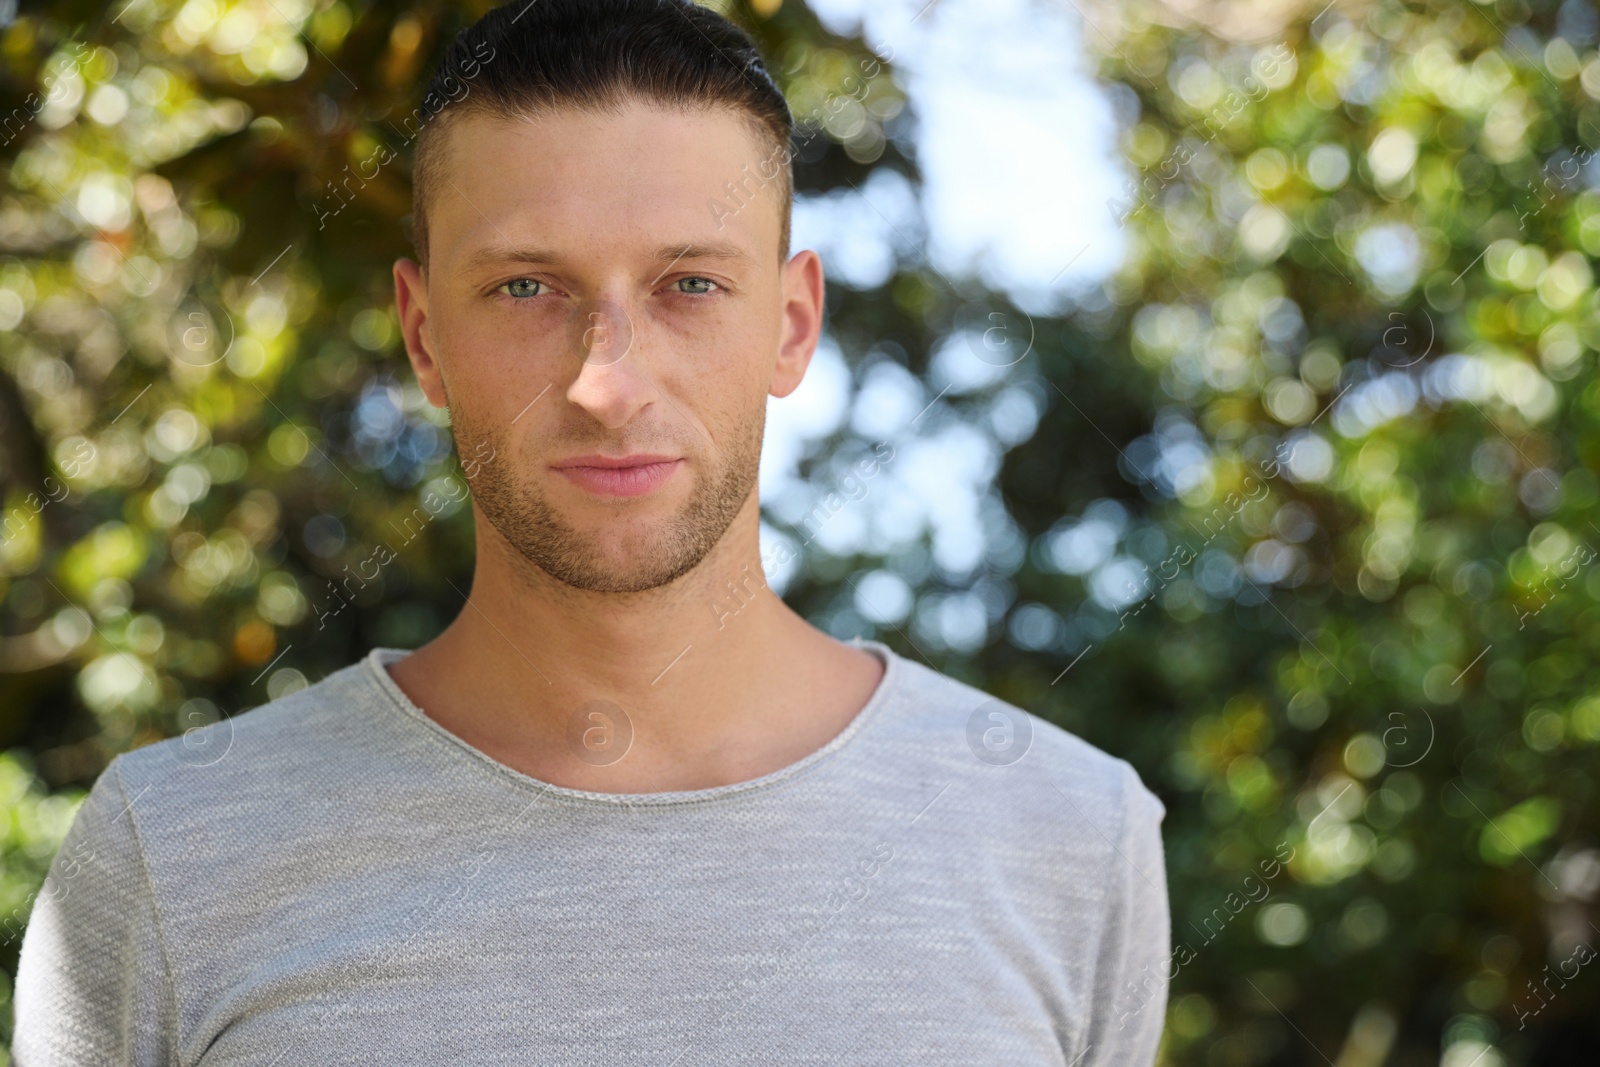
529	55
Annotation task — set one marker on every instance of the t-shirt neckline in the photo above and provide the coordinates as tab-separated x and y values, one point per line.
378	658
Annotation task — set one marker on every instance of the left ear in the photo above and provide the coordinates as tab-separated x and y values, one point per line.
803	293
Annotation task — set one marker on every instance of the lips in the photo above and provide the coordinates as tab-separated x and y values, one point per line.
638	459
619	476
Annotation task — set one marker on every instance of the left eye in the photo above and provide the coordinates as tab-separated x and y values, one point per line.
697	282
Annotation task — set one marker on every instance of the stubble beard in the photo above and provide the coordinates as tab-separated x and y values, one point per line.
654	554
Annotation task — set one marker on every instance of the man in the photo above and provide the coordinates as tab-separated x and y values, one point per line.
613	814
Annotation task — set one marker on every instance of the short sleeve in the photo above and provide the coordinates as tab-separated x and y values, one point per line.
1134	965
93	984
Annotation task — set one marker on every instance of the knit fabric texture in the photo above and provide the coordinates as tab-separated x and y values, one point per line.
335	878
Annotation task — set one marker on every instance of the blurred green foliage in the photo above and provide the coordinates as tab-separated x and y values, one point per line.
1303	526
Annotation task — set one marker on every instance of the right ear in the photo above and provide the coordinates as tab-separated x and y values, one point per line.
411	300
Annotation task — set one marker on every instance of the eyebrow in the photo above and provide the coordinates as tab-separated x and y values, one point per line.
673	253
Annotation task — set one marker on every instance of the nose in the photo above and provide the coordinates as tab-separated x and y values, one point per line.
611	384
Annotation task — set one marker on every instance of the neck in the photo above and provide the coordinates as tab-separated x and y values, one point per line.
718	678
651	648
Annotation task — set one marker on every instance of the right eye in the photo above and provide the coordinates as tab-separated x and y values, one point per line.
521	288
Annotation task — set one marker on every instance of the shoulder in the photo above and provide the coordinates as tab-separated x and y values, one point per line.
237	808
1064	832
291	741
968	728
1053	816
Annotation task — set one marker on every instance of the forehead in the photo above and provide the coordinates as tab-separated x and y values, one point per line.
620	178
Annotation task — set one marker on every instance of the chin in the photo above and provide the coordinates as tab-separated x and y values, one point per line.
644	557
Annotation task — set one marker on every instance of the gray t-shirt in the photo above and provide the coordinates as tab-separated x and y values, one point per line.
333	877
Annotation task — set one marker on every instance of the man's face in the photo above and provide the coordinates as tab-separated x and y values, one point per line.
594	296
